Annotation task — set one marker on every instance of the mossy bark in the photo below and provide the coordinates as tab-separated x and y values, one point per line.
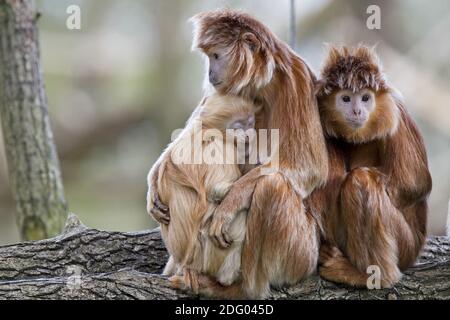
31	155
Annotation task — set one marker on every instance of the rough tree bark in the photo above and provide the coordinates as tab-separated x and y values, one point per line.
84	263
31	155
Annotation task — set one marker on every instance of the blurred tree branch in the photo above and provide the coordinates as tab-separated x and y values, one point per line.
75	146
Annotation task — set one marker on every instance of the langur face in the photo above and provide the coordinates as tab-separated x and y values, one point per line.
218	67
242	125
355	107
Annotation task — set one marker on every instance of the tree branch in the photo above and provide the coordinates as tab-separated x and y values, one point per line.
84	263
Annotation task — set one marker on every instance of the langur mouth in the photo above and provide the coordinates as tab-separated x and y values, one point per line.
356	123
216	83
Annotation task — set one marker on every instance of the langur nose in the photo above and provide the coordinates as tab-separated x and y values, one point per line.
212	79
210	75
357	112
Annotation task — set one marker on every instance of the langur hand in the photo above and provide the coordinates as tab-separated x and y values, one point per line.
221	220
238	199
158	210
219	230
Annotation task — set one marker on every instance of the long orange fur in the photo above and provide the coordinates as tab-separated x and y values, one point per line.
282	238
192	190
374	206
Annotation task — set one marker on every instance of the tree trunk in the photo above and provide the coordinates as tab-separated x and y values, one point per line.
32	160
84	263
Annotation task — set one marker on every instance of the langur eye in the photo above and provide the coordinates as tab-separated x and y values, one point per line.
215	56
346	99
365	98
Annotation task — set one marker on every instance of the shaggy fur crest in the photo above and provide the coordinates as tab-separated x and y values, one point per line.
351	69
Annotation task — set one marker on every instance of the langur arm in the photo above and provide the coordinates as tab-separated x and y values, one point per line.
237	200
409	179
158	210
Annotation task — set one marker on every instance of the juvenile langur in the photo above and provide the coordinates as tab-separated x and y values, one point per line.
192	187
375	203
282	241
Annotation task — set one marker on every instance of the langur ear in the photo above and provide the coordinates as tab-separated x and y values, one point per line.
252	41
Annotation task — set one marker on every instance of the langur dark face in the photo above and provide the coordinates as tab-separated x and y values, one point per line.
242	125
238	64
355	107
218	67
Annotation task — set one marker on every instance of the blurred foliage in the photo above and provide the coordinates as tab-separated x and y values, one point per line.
118	87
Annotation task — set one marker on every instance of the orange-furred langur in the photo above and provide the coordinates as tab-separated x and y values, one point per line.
192	187
281	244
374	207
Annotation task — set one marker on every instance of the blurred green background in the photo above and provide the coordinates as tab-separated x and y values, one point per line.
118	87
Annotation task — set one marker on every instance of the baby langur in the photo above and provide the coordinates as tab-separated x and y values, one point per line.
192	187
